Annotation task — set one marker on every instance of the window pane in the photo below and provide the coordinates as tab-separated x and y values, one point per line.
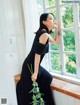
67	16
70	63
69	40
49	3
53	11
55	61
54	46
40	6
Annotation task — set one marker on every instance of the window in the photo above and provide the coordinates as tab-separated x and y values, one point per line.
65	57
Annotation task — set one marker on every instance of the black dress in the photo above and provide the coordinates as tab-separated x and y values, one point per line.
44	78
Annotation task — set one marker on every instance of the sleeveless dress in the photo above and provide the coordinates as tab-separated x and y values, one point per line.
44	78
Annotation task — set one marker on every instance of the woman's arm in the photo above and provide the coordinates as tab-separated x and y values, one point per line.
56	37
43	38
36	66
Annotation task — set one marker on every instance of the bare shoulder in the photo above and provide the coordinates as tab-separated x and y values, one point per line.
43	38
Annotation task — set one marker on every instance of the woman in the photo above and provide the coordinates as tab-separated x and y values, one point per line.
39	48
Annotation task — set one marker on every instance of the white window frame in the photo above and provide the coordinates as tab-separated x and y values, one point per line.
77	41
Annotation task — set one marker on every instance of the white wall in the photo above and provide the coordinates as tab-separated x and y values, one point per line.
16	29
12	47
62	99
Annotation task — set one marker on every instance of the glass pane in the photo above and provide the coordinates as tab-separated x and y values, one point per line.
55	61
69	40
40	6
67	16
54	46
53	11
70	63
49	3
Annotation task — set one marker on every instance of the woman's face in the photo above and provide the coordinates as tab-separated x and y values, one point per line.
49	21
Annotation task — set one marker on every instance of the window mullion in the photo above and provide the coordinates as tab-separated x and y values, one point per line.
76	21
60	41
44	7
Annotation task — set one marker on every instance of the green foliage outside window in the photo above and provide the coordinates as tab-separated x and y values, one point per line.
50	3
68	43
67	16
71	63
69	40
55	61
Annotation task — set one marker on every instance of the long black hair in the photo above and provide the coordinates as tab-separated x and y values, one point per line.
43	17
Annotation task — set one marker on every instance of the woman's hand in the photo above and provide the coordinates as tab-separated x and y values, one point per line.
55	24
34	76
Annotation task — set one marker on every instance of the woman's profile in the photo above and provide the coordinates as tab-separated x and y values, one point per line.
39	48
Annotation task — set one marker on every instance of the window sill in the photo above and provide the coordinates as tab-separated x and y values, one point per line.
66	78
62	86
